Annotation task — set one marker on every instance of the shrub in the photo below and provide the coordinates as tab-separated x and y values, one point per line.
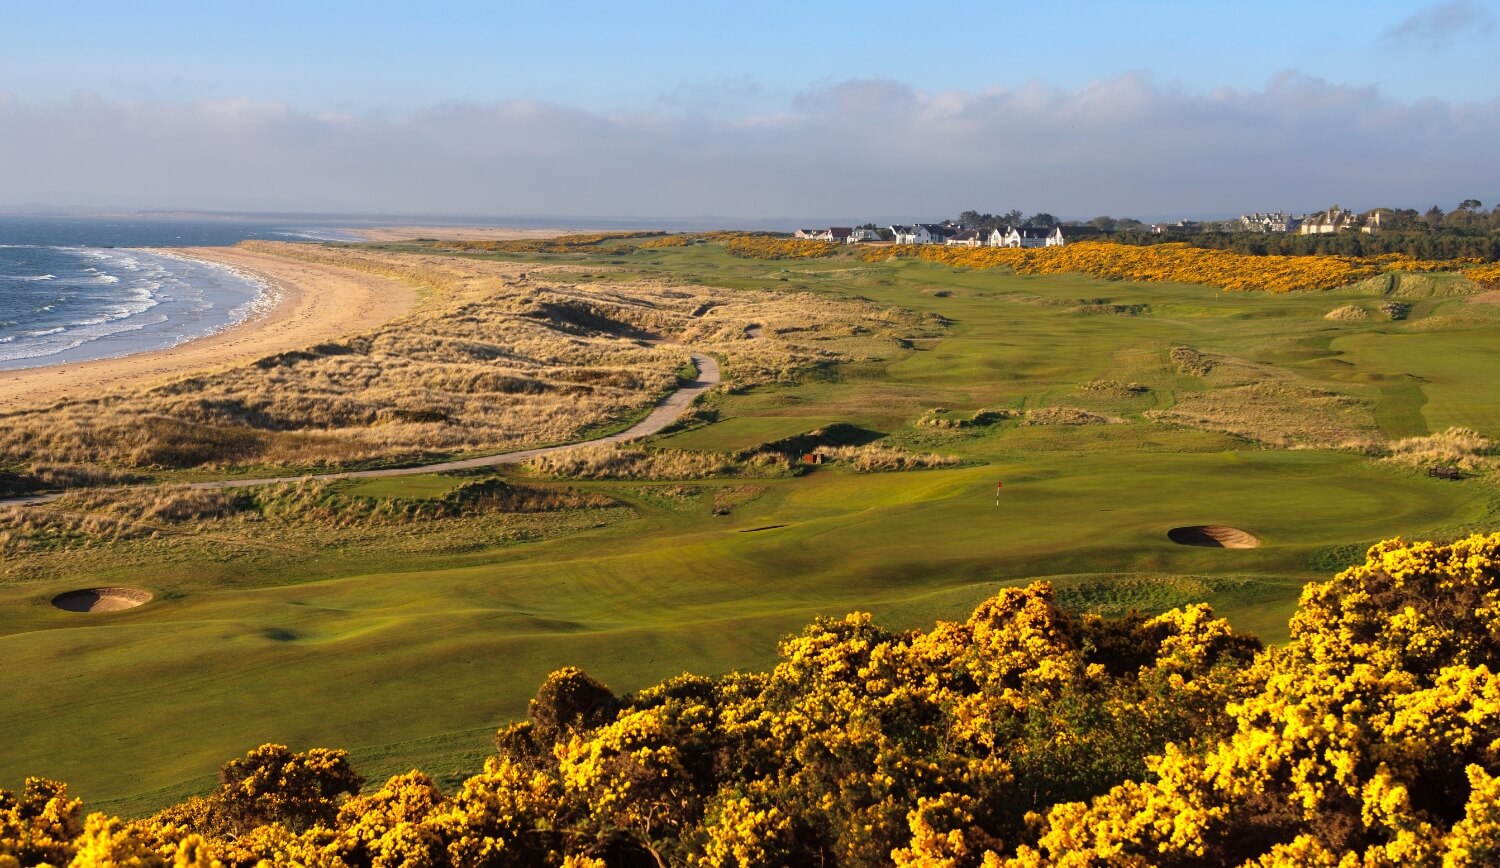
1022	735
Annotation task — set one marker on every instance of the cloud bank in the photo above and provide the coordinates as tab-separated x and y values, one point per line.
1124	146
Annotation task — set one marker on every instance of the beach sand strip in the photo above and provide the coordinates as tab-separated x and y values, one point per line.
315	303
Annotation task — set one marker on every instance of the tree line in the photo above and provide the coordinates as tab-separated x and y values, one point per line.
1466	232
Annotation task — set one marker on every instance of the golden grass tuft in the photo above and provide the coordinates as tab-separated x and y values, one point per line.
500	356
1275	412
616	462
1455	447
873	458
1347	312
1068	416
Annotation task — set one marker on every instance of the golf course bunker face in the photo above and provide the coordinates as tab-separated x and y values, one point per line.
101	599
1213	536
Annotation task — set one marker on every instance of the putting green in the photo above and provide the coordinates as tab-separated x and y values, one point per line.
742	432
424	486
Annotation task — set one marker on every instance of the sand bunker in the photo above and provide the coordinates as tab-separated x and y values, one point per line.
1214	536
101	599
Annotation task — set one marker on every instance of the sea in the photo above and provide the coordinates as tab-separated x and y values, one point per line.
74	289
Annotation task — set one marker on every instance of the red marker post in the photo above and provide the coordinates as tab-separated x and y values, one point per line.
998	484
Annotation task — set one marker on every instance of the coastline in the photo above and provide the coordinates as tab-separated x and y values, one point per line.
306	303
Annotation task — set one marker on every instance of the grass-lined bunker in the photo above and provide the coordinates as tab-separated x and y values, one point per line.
92	600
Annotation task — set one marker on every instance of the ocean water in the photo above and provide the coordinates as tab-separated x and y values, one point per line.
76	289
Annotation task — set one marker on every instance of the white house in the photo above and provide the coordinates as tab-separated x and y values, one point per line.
1328	222
1021	236
930	233
1271	221
964	238
809	234
863	234
904	234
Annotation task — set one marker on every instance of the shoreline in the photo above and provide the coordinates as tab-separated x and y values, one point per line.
304	303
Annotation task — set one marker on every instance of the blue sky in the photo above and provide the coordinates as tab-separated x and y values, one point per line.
643	55
736	89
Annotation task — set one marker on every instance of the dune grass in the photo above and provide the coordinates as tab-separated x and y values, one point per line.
408	643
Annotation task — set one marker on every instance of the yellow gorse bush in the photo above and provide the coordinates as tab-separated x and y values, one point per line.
1488	274
1021	736
1175	261
754	246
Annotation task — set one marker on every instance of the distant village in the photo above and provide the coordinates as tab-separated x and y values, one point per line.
956	234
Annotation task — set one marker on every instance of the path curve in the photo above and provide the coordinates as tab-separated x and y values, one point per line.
663	414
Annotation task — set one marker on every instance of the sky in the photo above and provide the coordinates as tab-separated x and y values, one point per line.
755	111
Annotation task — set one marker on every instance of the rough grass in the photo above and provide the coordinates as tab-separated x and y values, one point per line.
98	517
615	462
1275	413
492	361
873	458
1348	312
1455	447
1067	416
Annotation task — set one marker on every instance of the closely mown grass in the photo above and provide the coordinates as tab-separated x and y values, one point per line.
409	639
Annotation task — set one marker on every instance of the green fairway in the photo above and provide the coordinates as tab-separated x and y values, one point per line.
415	487
742	432
1445	377
411	660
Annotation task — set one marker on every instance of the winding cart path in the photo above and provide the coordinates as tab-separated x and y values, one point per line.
663	414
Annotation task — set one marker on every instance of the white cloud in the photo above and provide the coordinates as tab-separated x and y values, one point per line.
847	149
1439	24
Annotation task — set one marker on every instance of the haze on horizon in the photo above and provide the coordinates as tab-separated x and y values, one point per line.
658	112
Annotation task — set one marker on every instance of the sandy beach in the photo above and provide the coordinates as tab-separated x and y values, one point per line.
316	303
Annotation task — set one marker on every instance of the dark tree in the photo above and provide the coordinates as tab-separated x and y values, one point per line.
570	699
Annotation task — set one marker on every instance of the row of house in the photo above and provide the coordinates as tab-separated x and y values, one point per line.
1006	236
1270	221
1329	222
838	234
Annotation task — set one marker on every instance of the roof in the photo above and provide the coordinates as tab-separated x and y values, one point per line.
840	231
1079	231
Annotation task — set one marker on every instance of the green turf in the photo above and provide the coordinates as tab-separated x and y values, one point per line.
1453	371
741	432
426	486
410	660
